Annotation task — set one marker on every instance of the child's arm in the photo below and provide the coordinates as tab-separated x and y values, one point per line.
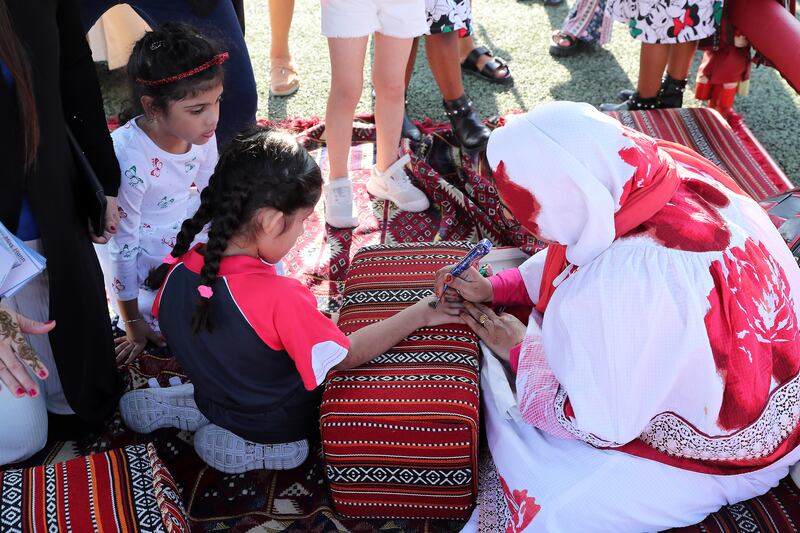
375	339
124	251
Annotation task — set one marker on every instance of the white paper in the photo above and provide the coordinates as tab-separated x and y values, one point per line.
25	263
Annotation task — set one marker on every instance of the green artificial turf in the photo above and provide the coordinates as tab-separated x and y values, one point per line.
519	32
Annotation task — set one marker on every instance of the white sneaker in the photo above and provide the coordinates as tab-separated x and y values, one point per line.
393	184
230	453
339	204
145	410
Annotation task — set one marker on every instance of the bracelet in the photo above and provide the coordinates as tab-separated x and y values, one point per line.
132	320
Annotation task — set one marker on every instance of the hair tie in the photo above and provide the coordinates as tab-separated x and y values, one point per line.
205	291
216	60
170	259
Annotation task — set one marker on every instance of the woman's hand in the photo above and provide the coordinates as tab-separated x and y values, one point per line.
112	222
16	353
133	343
500	332
470	285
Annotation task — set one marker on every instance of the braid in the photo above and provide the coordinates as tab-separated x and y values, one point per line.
260	168
189	230
223	228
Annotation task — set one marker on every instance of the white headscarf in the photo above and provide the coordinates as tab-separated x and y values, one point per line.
567	155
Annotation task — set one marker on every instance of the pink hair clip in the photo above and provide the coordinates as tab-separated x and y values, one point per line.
205	291
170	259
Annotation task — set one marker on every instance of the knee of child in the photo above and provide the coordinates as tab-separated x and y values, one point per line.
346	93
392	89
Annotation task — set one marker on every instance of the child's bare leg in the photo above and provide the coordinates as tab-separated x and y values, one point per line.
347	80
388	77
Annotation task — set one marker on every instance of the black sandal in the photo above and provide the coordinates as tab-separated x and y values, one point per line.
489	70
575	45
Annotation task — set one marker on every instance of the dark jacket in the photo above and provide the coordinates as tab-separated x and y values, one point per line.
66	87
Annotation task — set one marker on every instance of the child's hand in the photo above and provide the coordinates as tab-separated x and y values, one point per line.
133	343
447	311
470	285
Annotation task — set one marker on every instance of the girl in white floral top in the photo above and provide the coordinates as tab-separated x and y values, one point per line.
164	152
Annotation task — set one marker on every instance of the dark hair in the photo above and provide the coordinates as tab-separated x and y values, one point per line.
260	168
14	55
171	49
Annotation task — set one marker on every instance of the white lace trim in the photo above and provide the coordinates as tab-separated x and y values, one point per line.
671	434
566	423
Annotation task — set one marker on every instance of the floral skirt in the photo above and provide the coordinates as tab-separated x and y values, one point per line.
445	16
668	21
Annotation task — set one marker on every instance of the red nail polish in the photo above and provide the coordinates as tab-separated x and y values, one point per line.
42	374
33	393
49	322
20	391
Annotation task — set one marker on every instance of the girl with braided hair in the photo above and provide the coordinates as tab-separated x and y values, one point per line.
252	342
167	146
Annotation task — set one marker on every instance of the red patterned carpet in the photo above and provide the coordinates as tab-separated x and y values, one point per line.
464	207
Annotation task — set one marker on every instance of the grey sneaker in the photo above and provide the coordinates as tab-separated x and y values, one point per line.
393	184
227	452
145	410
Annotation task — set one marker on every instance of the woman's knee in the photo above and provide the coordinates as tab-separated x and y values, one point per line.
23	426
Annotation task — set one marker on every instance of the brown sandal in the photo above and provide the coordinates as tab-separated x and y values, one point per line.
284	80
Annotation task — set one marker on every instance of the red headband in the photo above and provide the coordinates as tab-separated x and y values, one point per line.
216	60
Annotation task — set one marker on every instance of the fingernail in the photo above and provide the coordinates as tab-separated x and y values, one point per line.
20	391
42	374
33	393
49	322
448	278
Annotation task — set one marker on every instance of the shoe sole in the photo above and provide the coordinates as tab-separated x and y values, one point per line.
287	92
146	410
378	192
231	454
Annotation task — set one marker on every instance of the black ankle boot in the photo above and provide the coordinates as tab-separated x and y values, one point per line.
634	103
467	126
410	130
671	92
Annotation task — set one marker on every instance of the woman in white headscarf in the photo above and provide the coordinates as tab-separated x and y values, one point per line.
658	376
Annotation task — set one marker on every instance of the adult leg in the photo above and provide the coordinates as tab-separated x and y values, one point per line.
442	50
347	80
283	74
239	104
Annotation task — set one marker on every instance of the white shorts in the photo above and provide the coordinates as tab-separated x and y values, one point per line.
402	19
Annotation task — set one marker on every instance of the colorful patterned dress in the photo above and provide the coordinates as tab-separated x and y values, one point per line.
445	16
155	197
668	21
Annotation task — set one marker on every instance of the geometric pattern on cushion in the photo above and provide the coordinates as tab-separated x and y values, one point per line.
123	490
400	433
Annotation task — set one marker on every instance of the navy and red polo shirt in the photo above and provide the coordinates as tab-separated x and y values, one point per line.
256	374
